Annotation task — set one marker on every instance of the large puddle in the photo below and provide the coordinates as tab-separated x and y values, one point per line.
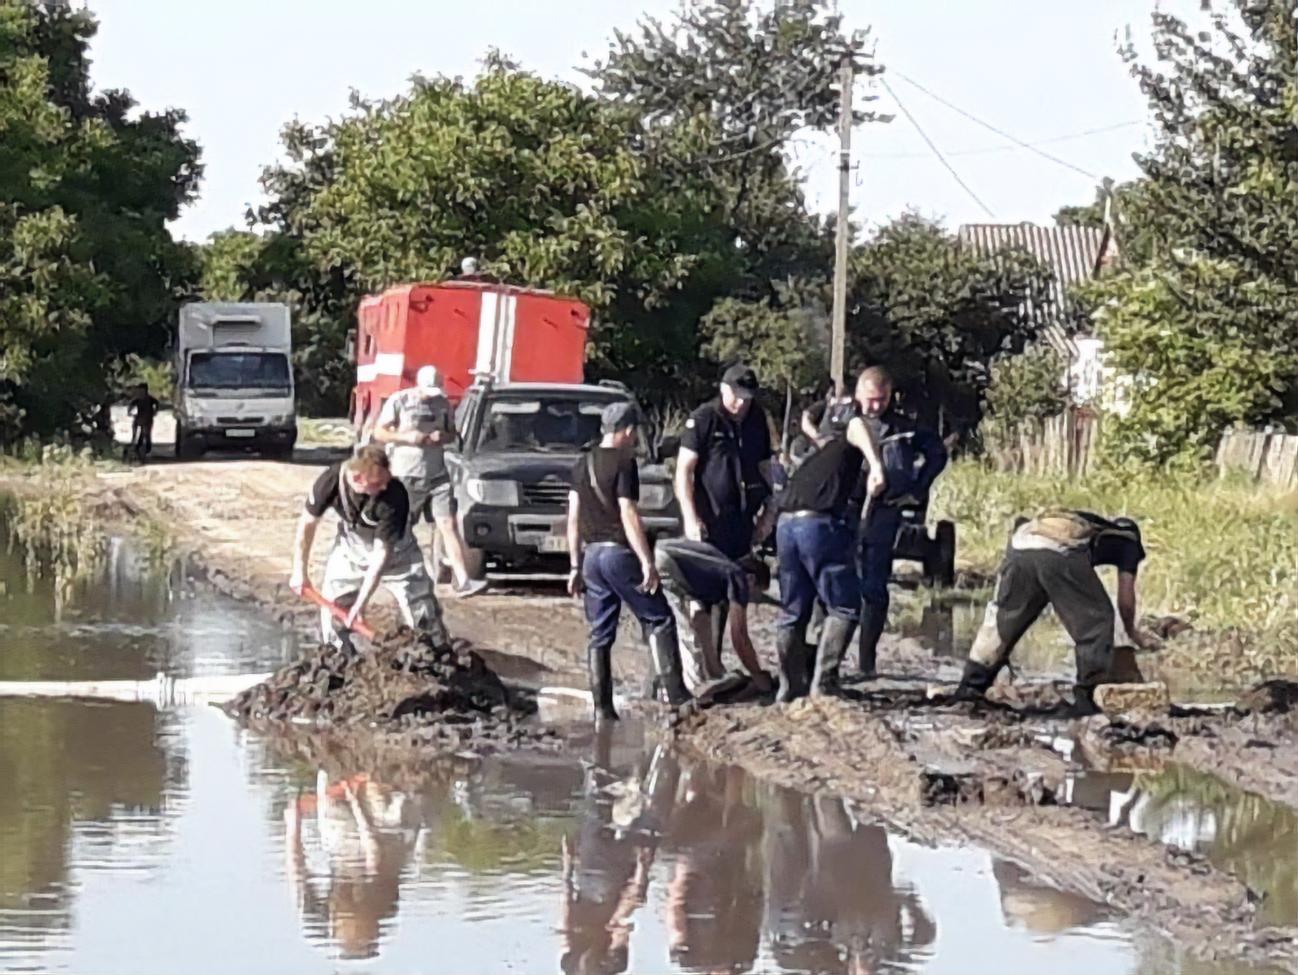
134	840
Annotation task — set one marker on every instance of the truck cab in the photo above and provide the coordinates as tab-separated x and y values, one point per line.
518	444
234	379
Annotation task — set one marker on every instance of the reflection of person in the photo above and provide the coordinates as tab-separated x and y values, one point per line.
830	901
714	894
415	425
365	833
374	545
1051	561
606	866
707	591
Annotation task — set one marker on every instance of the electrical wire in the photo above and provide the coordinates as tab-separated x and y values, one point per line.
936	151
986	150
991	128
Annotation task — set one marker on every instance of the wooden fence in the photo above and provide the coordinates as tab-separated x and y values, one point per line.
1064	444
1264	455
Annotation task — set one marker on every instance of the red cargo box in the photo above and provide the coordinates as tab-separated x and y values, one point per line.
465	329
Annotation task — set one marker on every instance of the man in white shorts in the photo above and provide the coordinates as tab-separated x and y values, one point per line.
414	425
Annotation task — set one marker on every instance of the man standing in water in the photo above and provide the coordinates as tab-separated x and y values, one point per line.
415	425
374	545
612	562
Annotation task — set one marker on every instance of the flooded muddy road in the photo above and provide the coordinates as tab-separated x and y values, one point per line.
135	839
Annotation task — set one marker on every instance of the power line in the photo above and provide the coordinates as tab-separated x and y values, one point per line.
987	125
985	150
936	151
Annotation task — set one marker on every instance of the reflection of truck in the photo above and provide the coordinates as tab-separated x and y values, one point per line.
465	329
234	381
518	445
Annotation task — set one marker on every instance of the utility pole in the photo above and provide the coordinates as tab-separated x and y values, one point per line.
838	336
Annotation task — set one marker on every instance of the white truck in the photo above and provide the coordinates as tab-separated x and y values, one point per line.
234	379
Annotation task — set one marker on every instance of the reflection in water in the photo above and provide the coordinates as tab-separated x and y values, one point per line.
1242	833
1038	908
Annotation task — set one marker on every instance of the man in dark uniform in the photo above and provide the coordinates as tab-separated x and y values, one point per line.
912	460
707	591
723	476
1051	560
815	539
612	562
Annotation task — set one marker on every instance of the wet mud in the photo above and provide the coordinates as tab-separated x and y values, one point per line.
403	689
1003	776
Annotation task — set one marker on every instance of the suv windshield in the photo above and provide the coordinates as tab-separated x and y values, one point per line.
239	370
535	423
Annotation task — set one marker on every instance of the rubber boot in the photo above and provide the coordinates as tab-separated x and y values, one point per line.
666	653
975	681
872	622
791	645
599	667
835	635
1083	705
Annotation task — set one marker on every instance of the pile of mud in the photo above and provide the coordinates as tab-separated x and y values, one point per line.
403	683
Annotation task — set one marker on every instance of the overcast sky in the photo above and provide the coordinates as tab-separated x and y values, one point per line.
1043	71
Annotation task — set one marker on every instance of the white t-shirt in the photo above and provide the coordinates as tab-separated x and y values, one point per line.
412	409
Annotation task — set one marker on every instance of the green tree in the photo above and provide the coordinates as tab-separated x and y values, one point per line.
938	315
88	271
1205	325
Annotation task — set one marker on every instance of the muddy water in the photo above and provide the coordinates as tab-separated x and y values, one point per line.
134	840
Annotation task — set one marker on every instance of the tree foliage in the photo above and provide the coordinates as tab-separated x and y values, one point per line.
88	271
1205	320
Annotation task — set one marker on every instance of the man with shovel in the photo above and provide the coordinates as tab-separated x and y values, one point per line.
375	544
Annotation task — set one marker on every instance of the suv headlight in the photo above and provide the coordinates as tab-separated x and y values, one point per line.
655	495
499	493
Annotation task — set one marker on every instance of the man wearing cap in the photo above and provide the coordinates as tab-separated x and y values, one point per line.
723	471
612	562
1051	560
415	424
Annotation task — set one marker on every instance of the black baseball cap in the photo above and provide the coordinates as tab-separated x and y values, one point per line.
741	379
618	416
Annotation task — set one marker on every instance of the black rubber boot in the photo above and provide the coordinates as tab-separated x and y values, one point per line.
667	661
975	681
872	622
599	667
835	635
1083	702
791	645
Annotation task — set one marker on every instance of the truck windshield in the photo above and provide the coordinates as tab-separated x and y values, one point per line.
239	370
559	425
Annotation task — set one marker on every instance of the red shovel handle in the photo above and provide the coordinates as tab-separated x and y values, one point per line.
337	612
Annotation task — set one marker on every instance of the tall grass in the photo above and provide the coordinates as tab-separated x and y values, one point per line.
1221	552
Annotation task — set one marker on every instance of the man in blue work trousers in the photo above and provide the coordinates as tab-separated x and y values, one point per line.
816	539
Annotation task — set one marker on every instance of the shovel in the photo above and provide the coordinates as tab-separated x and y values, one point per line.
360	627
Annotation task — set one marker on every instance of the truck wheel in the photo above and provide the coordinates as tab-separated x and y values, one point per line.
475	562
187	448
944	554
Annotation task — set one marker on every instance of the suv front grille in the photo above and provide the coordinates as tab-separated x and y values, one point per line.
546	493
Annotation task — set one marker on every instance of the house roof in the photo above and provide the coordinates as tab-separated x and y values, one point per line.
1073	254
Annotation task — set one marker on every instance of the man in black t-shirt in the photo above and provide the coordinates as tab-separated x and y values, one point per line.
816	541
374	545
142	409
707	591
1051	560
612	562
723	476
